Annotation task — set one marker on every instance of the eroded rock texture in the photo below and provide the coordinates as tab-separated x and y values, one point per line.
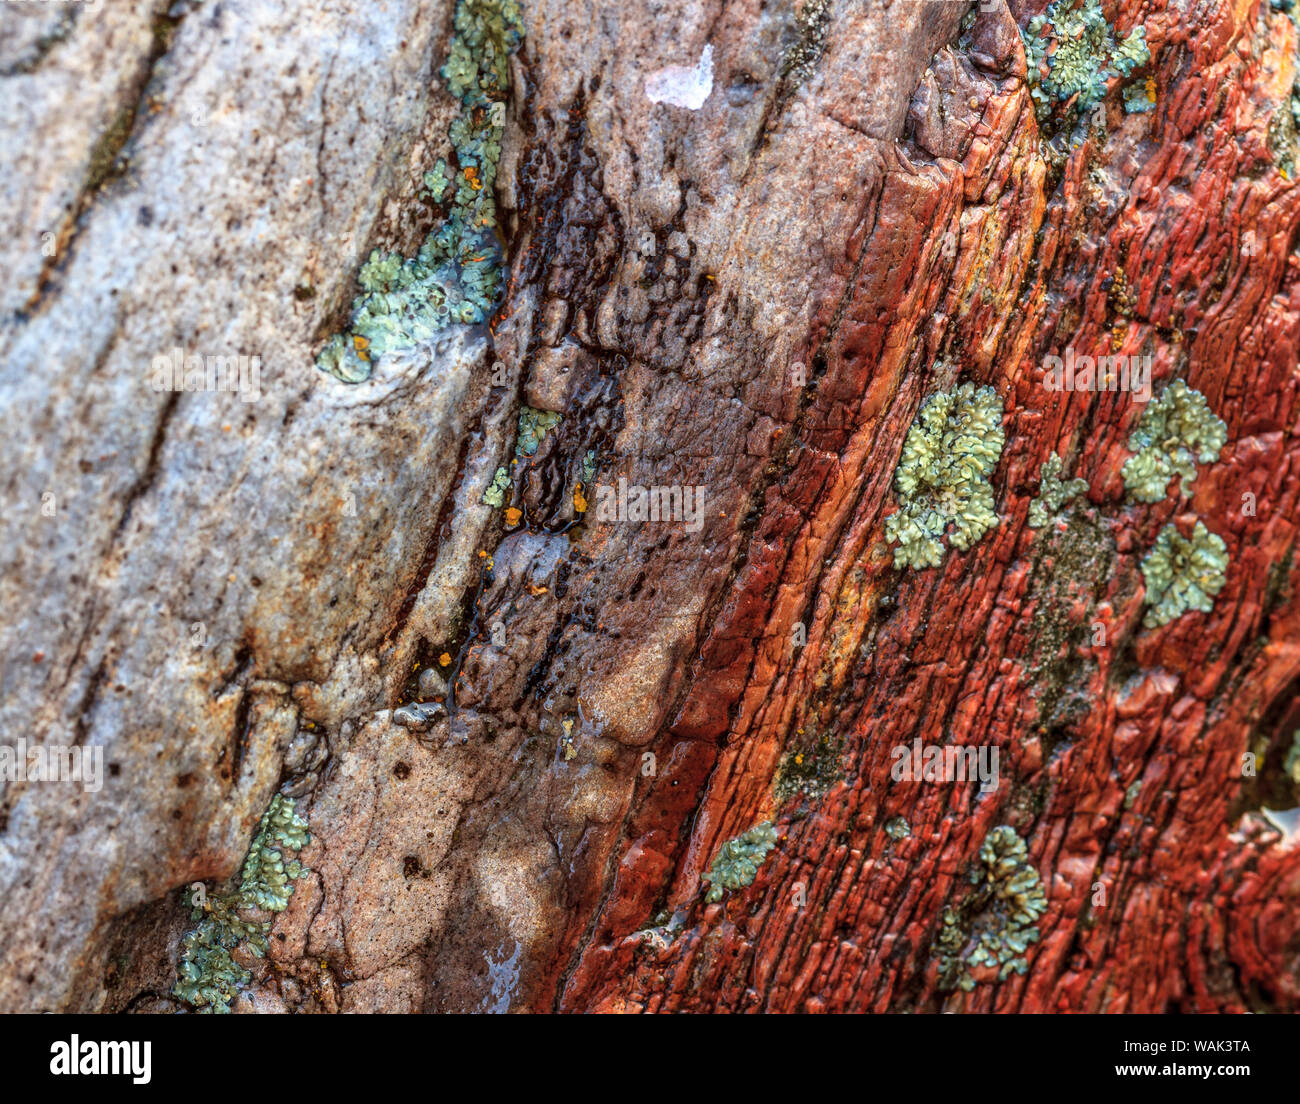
754	297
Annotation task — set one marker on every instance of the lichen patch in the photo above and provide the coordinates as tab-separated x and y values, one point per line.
943	475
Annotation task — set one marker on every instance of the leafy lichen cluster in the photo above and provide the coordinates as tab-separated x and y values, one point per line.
1183	573
534	425
738	860
456	275
943	475
1053	492
1072	54
1175	431
209	977
495	495
996	923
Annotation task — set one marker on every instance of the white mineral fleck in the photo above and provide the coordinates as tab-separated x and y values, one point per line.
682	85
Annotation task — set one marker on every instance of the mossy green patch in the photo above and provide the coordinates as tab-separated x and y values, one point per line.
456	275
811	26
1077	563
809	768
943	475
1176	430
1285	125
209	977
1282	139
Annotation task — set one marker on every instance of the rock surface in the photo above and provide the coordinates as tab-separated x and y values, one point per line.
754	298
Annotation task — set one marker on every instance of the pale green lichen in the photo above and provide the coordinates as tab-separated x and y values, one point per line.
738	860
495	495
1072	55
437	181
1175	431
456	275
942	477
1183	573
1132	793
995	924
1053	492
534	425
209	977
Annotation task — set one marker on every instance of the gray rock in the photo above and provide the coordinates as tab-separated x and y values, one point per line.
193	580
